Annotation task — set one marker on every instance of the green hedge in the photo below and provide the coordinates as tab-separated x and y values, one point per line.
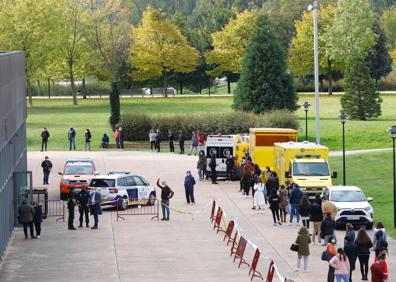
137	125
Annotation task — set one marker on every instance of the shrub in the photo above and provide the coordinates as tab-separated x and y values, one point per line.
137	124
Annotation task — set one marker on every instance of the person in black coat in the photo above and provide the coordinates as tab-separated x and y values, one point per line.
87	137
95	208
212	166
47	167
71	136
158	140
44	139
363	246
71	203
351	251
181	140
83	207
37	218
230	164
327	228
316	217
171	138
272	183
121	137
274	206
105	141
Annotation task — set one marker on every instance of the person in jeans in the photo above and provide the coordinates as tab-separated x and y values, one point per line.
363	246
341	266
94	206
194	144
47	167
71	136
181	140
152	139
87	137
189	183
316	217
303	240
295	198
37	218
44	139
166	194
158	141
201	165
26	213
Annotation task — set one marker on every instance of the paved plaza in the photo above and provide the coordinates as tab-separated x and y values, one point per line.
139	249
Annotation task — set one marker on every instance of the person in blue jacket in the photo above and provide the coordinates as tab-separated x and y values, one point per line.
189	183
295	198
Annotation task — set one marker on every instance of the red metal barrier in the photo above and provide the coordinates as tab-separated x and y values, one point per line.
217	222
253	267
229	230
240	251
212	213
271	271
234	243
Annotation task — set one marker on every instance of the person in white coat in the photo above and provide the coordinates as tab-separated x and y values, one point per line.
258	200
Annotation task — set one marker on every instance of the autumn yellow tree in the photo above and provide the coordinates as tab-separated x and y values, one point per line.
229	45
158	48
393	55
301	53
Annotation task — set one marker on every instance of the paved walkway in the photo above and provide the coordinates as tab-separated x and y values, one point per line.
138	249
355	152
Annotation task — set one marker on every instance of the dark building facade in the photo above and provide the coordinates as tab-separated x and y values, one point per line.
12	140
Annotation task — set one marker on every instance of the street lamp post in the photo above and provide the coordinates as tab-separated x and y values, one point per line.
343	117
316	69
392	131
306	106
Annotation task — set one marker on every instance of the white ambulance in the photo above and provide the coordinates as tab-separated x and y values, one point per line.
221	146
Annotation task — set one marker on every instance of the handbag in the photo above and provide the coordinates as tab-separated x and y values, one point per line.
326	256
294	247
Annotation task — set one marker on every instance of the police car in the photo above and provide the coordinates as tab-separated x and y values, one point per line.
123	188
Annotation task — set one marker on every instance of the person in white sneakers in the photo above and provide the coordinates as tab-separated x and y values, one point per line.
258	199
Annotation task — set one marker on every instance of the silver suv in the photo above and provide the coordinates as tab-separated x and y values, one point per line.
123	188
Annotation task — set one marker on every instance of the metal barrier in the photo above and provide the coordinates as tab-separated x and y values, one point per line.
55	208
137	208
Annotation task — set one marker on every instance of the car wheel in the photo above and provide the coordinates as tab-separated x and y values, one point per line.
152	199
123	203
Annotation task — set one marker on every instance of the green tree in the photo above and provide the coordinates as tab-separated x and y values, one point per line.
361	99
229	45
107	31
265	83
351	35
379	60
301	53
158	48
388	24
28	25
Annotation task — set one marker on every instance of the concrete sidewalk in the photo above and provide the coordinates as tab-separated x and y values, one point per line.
139	249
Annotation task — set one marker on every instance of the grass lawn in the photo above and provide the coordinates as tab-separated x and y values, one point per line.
373	173
58	114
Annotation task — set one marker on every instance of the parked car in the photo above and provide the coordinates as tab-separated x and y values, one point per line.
352	205
123	188
76	174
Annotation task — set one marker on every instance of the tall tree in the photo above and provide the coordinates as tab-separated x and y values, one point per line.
301	53
379	60
158	48
27	25
388	24
107	31
265	83
361	99
351	35
229	45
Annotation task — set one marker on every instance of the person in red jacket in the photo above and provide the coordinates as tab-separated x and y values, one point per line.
377	270
384	263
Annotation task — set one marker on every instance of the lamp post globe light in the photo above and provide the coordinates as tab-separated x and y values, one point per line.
343	117
306	106
392	131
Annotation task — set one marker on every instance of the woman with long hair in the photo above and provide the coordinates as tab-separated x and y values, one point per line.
283	202
341	266
363	246
305	210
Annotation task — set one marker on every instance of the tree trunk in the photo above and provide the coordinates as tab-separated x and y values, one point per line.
330	77
321	85
115	104
228	85
209	90
181	87
49	88
54	87
200	89
72	85
38	88
29	92
165	80
84	89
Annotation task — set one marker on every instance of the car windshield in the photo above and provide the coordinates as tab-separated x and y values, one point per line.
310	169
102	183
79	169
347	196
